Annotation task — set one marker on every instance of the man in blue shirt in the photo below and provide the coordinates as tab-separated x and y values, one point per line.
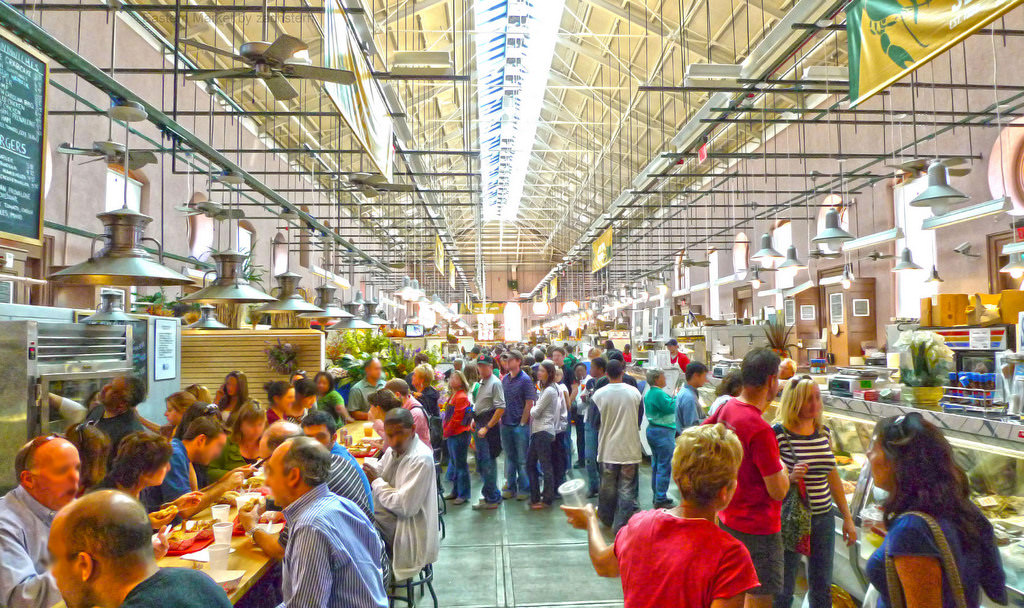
203	441
319	425
688	410
332	559
515	426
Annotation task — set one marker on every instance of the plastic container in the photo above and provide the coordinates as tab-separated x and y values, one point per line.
574	493
219	556
221	513
222	533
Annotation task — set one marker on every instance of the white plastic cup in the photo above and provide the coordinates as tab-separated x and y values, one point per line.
219	556
573	493
222	533
221	513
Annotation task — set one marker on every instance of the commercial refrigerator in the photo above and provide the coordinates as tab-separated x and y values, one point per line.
71	360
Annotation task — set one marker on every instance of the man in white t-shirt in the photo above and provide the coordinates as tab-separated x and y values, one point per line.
618	448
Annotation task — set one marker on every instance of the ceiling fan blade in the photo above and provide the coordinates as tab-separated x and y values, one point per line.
318	73
188	211
280	88
140	158
98	158
212	49
231	73
67	148
283	48
396	187
369	192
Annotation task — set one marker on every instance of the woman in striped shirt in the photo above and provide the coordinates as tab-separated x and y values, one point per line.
806	448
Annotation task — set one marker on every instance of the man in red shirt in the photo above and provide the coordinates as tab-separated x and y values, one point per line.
754	516
675	356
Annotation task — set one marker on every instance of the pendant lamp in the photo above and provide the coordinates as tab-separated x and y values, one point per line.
208	318
110	310
289	300
934	276
767	252
847	279
355	321
370	306
906	262
231	286
791	262
1015	267
833	236
325	300
755	278
406	292
939	195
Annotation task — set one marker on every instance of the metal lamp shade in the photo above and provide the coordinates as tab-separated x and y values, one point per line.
906	262
289	300
110	310
767	252
1014	267
350	323
833	235
122	261
405	292
934	276
208	319
939	195
325	300
791	262
230	286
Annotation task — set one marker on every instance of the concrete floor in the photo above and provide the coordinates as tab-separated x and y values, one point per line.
512	557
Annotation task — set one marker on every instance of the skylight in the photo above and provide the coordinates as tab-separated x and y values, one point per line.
515	42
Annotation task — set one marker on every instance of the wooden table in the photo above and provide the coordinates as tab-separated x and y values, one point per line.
357	431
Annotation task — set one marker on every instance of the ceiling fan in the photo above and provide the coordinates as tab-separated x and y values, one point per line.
876	255
212	210
113	152
372	184
817	253
273	62
688	262
920	165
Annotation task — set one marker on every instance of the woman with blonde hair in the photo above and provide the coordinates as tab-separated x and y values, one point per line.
805	444
200	392
177	404
423	389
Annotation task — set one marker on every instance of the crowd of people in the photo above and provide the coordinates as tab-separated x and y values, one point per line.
89	518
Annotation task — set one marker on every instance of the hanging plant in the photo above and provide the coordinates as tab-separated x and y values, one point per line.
282	357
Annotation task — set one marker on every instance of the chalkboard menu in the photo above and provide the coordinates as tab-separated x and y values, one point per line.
23	80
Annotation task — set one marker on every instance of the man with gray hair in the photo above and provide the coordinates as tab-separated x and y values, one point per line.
332	559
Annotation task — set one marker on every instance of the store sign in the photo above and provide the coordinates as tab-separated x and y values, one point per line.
601	251
702	153
553	288
477	308
451	274
360	104
888	39
439	254
23	79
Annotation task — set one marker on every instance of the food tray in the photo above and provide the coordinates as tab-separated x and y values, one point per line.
196	545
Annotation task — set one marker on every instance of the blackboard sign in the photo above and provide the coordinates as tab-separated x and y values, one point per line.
23	80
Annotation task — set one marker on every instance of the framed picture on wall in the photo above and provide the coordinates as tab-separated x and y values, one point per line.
807	312
789	308
862	308
835	308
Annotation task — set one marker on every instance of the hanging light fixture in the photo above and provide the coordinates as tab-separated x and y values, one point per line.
289	300
325	300
208	318
767	252
847	279
906	262
354	321
791	262
1015	267
939	195
231	286
833	236
370	306
755	278
110	310
934	276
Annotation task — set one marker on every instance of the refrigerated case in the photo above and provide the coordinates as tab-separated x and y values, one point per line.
990	451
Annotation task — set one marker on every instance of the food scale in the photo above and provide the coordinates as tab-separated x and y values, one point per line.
846	380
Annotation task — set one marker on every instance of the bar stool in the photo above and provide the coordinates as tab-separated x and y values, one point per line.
425	579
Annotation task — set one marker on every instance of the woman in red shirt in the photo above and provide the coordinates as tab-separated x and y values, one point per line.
679	557
458	416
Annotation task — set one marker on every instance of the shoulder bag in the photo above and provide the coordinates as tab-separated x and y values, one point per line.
796	512
949	567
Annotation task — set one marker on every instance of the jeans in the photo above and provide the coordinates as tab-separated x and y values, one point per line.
487	466
617	498
581	439
590	457
541	453
458	448
514	441
819	565
561	456
663	443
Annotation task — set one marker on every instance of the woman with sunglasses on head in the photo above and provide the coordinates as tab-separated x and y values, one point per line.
805	444
93	452
913	463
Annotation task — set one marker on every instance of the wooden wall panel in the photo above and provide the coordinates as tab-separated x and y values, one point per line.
207	356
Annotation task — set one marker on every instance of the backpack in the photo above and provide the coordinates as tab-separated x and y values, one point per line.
435	427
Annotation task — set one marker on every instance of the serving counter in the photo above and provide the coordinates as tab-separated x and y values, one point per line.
990	450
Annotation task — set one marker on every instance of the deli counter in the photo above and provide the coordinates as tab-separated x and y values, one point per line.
990	451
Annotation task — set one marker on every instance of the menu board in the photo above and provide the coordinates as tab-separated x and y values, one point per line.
23	79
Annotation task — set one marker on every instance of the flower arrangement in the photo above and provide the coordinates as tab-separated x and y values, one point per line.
282	357
348	350
925	360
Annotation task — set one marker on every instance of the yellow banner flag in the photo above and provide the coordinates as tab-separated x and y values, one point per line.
601	251
439	255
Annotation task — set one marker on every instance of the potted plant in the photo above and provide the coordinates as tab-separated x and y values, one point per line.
777	335
282	357
925	363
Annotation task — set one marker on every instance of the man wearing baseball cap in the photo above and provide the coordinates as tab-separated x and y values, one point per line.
488	407
676	357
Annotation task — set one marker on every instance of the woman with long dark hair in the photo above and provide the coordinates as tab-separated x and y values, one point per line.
233	393
281	396
330	400
912	461
243	446
542	436
93	447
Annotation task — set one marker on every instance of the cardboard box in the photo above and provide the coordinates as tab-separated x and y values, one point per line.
952	310
1011	303
926	312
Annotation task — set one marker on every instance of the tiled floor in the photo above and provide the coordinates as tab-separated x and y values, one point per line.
514	557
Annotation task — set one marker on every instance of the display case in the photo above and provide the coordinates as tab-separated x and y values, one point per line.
990	451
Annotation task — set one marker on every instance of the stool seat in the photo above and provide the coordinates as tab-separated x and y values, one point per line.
423	580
